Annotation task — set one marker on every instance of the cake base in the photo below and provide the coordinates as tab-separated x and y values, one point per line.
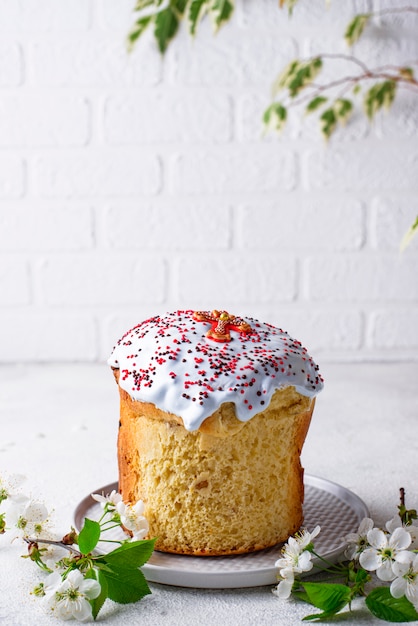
229	488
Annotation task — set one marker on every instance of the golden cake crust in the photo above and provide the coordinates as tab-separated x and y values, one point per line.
229	487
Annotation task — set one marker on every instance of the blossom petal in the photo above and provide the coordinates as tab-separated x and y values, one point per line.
284	589
404	556
36	512
75	577
398	587
98	497
139	508
377	538
400	539
401	567
82	610
64	609
385	572
412	594
366	524
304	562
121	508
413	531
51	582
138	535
370	560
394	523
90	588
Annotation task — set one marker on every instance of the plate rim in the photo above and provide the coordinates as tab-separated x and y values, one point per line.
263	576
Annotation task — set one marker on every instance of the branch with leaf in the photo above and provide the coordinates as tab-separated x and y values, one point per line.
334	101
381	84
164	18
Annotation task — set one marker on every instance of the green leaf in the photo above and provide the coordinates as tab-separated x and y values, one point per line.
406	240
383	605
328	597
143	4
98	602
179	6
130	555
314	104
343	109
408	515
274	117
356	27
125	585
297	75
196	11
302	595
287	73
140	27
304	76
220	12
328	122
89	536
380	95
166	25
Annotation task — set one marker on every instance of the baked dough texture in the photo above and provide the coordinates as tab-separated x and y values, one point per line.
228	488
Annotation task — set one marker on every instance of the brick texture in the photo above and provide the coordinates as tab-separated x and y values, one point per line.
135	183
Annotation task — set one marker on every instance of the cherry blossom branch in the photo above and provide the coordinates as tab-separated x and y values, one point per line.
50	542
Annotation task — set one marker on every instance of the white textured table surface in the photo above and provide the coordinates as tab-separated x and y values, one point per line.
59	428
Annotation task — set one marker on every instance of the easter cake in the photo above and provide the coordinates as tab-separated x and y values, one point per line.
214	411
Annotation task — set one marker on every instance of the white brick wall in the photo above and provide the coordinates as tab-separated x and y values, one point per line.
133	184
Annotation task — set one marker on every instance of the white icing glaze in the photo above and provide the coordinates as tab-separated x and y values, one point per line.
169	361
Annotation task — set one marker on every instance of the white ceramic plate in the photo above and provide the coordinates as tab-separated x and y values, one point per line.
337	510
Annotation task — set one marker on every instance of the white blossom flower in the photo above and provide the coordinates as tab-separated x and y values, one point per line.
384	551
9	484
133	519
295	556
406	581
51	583
294	559
111	499
69	598
358	542
284	588
304	538
396	522
29	516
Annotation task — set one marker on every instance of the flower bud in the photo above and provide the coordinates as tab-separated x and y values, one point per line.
70	538
33	551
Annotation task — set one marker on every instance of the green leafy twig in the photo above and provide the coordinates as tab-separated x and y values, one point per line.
297	77
165	18
117	572
388	554
297	81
